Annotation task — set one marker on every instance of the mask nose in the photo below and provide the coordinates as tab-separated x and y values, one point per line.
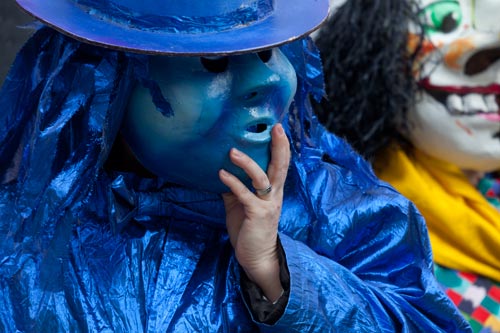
482	60
486	37
259	83
264	87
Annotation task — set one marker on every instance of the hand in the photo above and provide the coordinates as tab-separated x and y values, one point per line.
252	219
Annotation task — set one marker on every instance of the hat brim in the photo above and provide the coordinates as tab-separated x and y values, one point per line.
290	21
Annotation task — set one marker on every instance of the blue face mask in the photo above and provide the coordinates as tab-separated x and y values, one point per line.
215	103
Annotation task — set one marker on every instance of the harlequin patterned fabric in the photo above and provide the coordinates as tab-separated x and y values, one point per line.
477	298
489	186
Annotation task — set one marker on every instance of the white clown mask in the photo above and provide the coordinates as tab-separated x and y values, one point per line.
456	117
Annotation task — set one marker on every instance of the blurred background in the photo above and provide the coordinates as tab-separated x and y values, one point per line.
11	36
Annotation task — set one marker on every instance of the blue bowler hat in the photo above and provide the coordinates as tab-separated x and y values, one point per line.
181	27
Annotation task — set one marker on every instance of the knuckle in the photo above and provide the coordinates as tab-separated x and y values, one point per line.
245	194
263	179
246	162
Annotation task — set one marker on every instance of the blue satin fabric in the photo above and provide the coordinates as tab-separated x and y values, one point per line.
83	249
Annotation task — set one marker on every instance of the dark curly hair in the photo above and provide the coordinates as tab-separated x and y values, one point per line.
368	72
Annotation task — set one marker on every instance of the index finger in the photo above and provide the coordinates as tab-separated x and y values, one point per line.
280	157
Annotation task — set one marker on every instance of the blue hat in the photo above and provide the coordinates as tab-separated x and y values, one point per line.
181	27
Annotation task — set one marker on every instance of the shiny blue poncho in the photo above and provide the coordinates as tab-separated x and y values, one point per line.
87	249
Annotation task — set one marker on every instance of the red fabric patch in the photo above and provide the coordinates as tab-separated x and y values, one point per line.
468	276
455	297
494	293
480	314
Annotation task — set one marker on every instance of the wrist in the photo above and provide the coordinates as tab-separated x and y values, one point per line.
266	276
264	309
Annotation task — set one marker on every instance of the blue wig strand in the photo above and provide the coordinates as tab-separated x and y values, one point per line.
305	58
58	127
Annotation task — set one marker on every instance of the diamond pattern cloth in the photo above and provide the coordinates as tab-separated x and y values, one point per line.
477	298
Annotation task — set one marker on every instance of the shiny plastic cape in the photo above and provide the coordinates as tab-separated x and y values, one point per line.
86	249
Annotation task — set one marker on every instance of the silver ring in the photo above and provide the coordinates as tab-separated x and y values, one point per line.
265	191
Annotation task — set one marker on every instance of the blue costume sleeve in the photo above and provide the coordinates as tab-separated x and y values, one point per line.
364	262
79	252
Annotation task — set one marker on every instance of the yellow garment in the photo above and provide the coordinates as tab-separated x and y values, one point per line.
464	228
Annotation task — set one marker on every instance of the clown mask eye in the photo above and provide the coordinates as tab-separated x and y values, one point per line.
442	16
215	64
265	56
220	64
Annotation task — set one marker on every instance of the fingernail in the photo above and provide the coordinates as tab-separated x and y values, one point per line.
280	130
236	152
224	172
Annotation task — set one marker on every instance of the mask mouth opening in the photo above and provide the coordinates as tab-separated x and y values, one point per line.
257	128
463	104
466	101
481	61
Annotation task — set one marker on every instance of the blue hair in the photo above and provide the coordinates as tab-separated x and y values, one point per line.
62	106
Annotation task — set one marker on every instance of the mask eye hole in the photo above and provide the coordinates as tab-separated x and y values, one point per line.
265	56
215	64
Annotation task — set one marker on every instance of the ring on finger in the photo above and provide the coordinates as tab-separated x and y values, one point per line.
264	191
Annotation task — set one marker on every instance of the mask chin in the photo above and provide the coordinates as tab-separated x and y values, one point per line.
463	156
481	163
200	172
